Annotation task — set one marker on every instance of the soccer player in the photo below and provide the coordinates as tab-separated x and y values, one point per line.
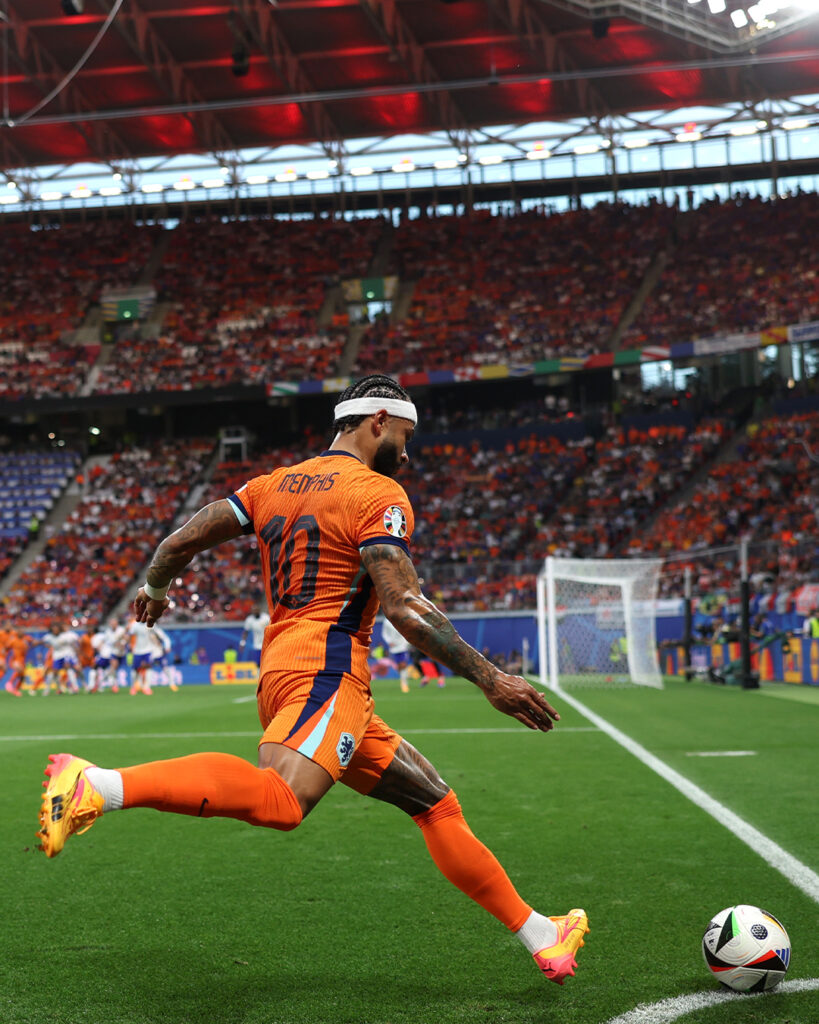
399	652
143	650
164	673
65	645
17	648
108	645
333	535
254	627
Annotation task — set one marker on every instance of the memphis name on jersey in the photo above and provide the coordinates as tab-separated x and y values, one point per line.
302	483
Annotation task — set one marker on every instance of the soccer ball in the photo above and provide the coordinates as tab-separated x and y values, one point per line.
746	949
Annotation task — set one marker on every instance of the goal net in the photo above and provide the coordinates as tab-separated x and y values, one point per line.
596	622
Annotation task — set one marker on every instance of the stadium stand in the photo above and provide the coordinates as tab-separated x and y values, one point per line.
244	299
48	280
765	492
746	264
515	289
128	503
30	483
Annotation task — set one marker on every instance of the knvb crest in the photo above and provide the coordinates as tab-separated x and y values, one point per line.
345	749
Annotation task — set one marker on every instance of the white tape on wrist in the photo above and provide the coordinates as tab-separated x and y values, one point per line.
155	593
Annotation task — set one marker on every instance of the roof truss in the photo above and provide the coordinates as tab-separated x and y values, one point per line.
146	43
267	35
44	71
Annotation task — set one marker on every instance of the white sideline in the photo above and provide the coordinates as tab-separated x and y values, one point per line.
61	737
794	870
669	1010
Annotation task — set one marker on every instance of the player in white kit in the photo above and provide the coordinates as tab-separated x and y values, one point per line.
399	652
254	627
143	650
165	673
108	648
65	645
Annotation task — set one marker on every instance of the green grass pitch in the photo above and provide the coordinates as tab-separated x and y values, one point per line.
159	919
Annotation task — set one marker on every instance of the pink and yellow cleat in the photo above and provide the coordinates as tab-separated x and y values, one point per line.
70	803
558	961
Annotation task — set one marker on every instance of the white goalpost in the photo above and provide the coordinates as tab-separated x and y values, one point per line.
596	622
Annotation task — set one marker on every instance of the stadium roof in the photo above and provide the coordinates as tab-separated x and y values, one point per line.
169	77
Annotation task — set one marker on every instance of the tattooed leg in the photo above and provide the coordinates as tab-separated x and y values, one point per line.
411	783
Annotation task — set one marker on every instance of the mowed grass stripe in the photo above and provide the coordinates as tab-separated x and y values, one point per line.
794	870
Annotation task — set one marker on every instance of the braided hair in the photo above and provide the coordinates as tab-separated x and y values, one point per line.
376	385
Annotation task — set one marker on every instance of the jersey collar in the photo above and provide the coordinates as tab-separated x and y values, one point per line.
332	451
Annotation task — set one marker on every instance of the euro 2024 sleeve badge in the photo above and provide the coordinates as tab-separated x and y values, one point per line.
395	522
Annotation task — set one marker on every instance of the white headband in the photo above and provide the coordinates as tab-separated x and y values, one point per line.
368	406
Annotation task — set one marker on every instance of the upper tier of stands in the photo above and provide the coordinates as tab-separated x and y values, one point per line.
242	298
739	266
48	281
515	289
50	277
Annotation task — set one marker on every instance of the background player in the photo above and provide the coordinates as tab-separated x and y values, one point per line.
108	646
15	648
398	650
254	627
164	672
143	650
61	673
333	537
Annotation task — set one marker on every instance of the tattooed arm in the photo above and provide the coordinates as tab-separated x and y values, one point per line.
428	629
210	526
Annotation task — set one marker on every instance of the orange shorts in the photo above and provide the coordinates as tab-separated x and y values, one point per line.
333	725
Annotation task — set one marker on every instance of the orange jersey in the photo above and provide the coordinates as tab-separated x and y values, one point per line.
86	651
311	521
18	647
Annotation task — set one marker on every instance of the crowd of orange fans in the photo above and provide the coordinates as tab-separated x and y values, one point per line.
49	279
742	265
485	516
768	493
242	297
515	289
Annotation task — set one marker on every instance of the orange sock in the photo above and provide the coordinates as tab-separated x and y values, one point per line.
468	864
210	786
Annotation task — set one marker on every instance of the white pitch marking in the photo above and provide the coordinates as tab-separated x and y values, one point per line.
53	738
794	870
720	753
669	1010
244	700
467	732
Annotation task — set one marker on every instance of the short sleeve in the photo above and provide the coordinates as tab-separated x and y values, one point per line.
385	516
242	503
